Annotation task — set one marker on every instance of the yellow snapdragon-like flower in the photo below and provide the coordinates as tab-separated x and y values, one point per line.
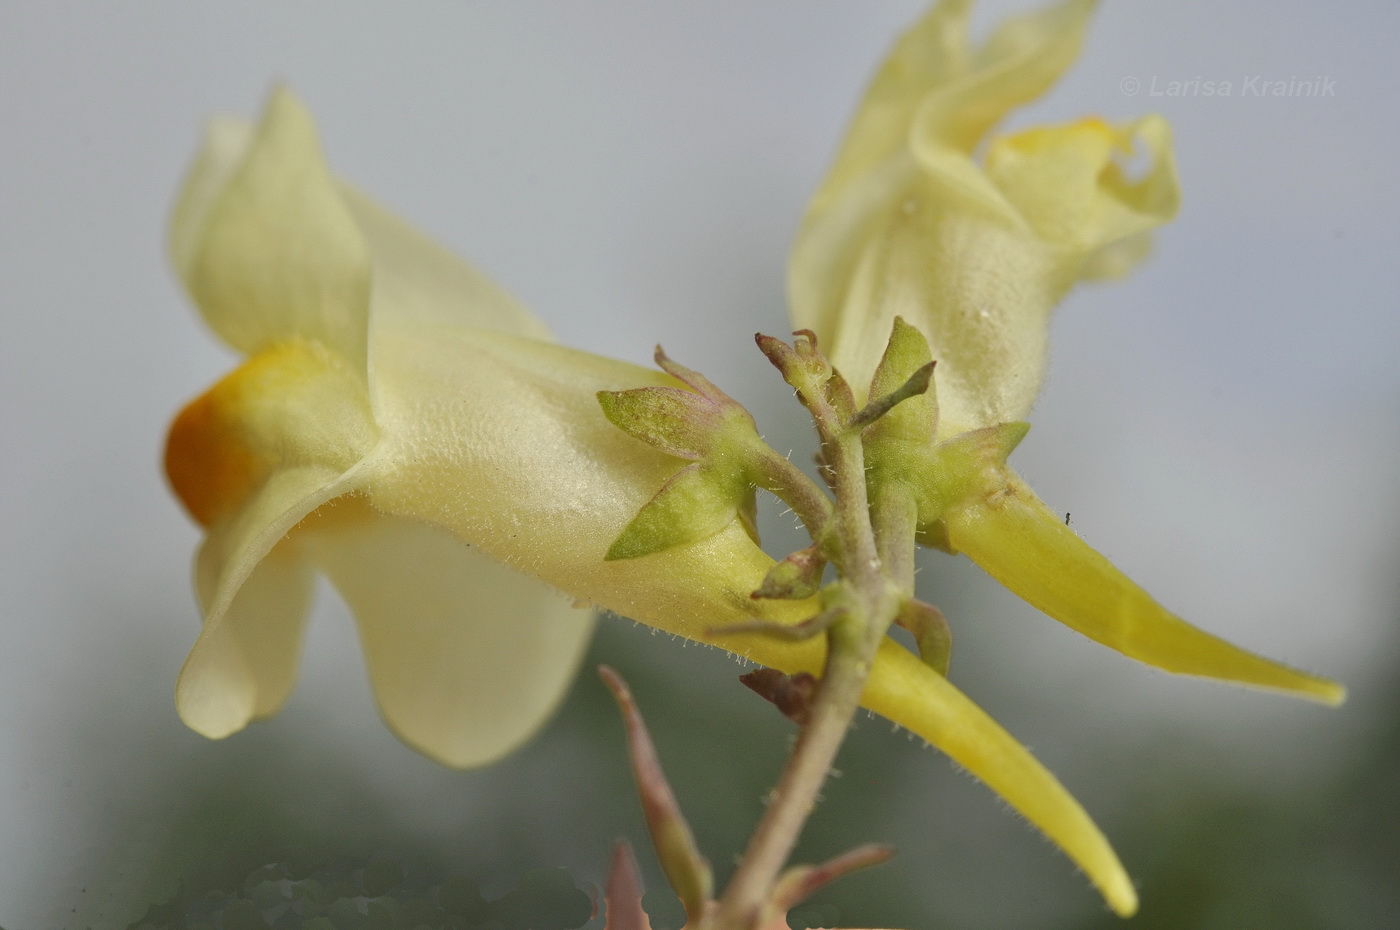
394	406
974	256
910	230
404	426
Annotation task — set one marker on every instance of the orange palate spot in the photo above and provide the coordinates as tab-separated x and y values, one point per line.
208	465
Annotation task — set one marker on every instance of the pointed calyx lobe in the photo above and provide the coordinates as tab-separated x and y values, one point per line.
796	577
686	422
701	424
901	446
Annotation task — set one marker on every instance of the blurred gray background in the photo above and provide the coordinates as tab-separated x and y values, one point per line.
1222	425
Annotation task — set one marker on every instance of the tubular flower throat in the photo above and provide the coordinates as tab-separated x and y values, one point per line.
404	426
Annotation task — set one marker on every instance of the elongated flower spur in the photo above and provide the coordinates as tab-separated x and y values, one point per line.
404	426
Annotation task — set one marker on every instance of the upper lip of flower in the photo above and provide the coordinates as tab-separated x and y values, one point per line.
975	255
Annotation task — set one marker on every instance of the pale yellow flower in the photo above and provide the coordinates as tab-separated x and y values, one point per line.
973	253
389	378
405	427
974	256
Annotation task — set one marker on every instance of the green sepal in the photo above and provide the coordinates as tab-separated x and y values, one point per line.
690	378
705	426
796	577
945	475
674	420
969	465
697	502
915	419
689	424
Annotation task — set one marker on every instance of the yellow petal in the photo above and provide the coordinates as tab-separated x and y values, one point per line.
935	87
931	54
909	224
1066	181
1019	62
934	97
979	290
415	278
222	151
292	406
254	598
251	458
1021	544
264	242
911	694
279	254
244	663
467	657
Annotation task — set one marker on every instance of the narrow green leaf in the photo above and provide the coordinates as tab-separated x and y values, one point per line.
686	869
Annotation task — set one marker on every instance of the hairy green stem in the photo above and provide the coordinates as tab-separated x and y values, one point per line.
851	647
786	481
895	517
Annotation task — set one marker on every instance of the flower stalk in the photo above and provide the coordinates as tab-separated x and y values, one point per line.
871	600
